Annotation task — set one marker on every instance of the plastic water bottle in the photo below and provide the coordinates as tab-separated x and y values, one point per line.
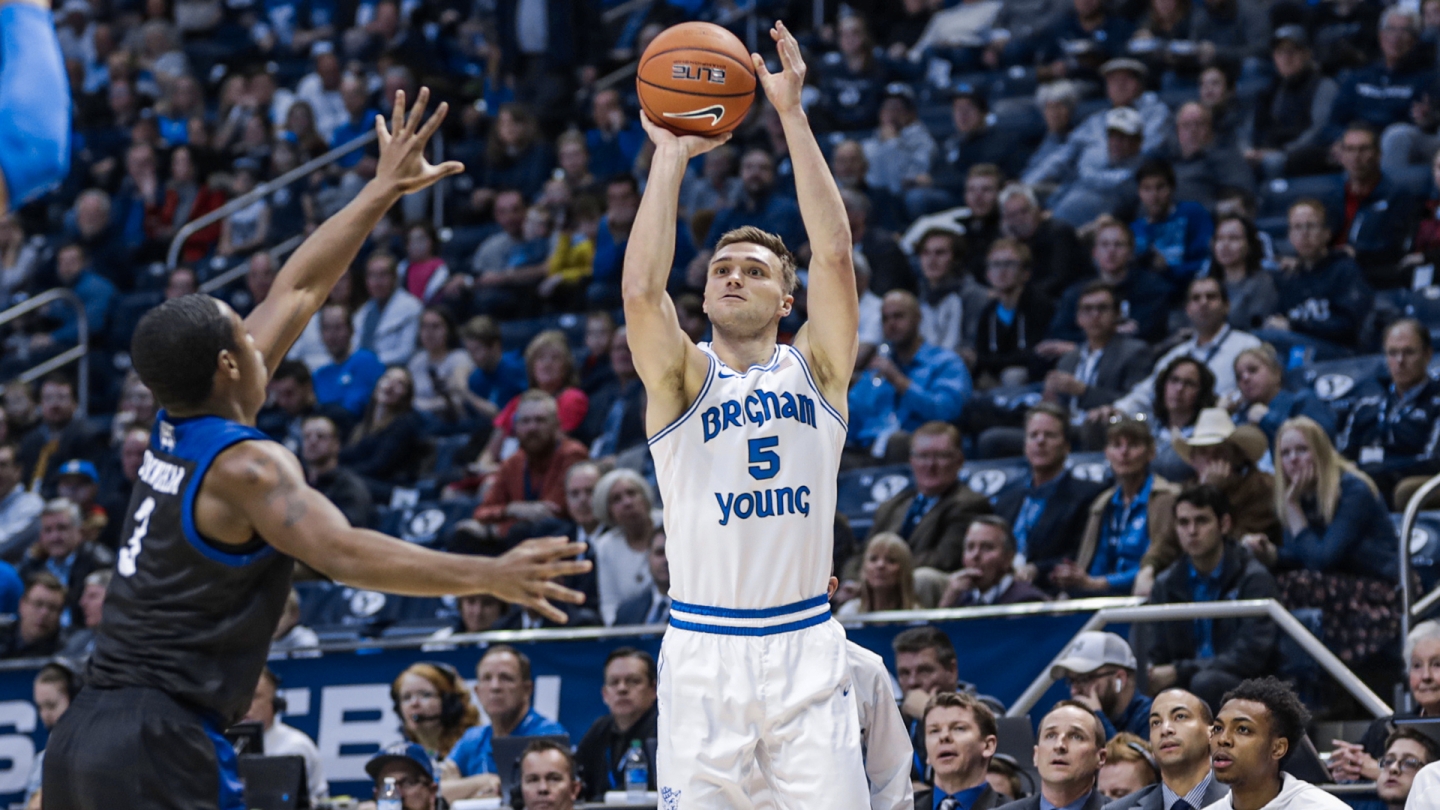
389	797
637	773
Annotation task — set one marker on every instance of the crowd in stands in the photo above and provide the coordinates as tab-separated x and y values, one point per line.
1111	243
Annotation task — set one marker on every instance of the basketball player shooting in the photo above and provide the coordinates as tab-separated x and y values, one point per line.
216	517
746	435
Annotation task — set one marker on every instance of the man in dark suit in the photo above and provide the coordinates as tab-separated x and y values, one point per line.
1069	752
988	577
652	606
1180	737
933	514
629	693
1049	513
1103	368
60	436
960	739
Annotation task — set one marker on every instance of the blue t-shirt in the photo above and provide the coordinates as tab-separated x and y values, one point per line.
349	384
473	753
11	588
506	382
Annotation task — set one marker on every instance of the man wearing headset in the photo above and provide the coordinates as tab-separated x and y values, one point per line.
1101	670
282	740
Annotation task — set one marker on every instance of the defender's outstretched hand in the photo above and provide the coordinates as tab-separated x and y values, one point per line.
692	145
524	575
402	146
783	88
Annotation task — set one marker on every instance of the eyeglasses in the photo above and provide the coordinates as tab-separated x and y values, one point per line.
1407	764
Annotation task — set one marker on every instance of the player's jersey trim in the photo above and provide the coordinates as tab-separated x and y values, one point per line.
231	436
705	389
810	378
728	630
750	613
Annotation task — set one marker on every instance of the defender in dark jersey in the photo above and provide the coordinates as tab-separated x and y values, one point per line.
217	516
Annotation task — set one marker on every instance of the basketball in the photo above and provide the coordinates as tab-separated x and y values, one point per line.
696	79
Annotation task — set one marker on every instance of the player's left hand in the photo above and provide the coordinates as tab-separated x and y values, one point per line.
783	88
402	165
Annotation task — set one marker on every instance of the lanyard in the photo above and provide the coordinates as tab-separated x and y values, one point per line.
1214	349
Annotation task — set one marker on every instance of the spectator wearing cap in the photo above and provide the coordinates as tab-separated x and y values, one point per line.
851	168
1370	213
1014	321
63	553
1323	297
19	509
1100	670
1172	237
1087	148
1127	521
988	575
1208	656
1204	168
409	765
974	142
78	481
1293	111
851	79
960	741
504	686
1394	427
1073	42
1381	93
1069	751
1141	293
1227	457
901	148
1089	191
1180	739
1057	259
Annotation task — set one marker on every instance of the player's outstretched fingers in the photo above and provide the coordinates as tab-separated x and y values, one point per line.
397	115
560	593
435	121
417	110
549	611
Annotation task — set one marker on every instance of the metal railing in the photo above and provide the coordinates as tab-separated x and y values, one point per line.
1407	525
277	253
172	258
1244	608
79	352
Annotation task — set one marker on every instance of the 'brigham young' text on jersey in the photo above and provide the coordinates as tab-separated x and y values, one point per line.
748	479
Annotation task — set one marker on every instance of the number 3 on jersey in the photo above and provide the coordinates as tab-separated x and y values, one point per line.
125	561
764	461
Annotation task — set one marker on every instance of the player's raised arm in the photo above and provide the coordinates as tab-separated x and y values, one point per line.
261	484
830	342
303	284
661	350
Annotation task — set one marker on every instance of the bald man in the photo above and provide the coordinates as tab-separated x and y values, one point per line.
908	383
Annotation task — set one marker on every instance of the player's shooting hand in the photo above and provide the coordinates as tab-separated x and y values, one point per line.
783	88
690	145
524	575
402	164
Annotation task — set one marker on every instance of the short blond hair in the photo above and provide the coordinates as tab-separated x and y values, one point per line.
749	233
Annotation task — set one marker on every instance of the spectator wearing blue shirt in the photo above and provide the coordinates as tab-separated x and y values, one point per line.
1172	237
1125	520
97	296
760	205
908	383
360	118
1142	295
351	375
499	376
1100	670
622	202
504	686
615	141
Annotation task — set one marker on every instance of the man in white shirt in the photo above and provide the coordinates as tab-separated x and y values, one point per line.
1214	343
19	508
389	322
1425	790
321	90
1259	723
282	740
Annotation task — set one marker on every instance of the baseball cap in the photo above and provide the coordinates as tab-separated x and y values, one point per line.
1090	651
77	466
1125	63
900	90
1290	33
1124	119
401	752
970	91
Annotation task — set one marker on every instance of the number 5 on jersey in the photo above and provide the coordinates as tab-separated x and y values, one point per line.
764	461
125	561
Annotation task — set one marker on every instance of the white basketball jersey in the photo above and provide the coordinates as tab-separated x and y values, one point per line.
748	478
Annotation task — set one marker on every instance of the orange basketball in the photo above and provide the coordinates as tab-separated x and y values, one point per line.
696	79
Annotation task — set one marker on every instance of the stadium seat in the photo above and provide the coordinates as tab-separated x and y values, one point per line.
426	523
516	335
1277	195
1424	548
1335	381
862	491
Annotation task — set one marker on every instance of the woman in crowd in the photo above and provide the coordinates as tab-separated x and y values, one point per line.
18	259
851	79
1183	389
1264	403
422	272
626	504
383	447
441	368
1339	551
550	367
188	197
887	577
1235	254
574	158
516	156
300	130
434	708
1360	762
248	228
